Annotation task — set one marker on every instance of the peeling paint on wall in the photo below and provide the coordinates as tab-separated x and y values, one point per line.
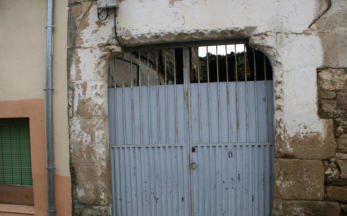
283	30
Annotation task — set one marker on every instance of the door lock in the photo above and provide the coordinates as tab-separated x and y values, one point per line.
193	165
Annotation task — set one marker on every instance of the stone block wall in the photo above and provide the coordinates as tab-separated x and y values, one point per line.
332	95
313	181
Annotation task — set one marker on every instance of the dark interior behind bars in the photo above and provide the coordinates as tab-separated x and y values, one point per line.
167	66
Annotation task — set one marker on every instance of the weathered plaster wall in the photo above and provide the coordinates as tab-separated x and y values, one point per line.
295	35
90	46
22	74
22	63
159	21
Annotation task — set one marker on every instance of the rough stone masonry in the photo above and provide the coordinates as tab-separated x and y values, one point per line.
332	92
299	38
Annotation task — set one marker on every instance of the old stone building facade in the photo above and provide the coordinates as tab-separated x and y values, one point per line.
306	44
304	41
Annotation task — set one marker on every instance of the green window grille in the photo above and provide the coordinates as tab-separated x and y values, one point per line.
15	162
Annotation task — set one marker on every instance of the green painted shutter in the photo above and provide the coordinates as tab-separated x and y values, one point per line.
15	162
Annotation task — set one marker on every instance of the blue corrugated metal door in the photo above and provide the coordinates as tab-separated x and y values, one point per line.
192	149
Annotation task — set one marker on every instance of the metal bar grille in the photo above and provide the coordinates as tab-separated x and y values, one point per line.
196	138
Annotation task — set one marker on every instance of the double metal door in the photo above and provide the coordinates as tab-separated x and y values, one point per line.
192	149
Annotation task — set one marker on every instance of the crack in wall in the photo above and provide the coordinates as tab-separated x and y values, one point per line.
329	3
